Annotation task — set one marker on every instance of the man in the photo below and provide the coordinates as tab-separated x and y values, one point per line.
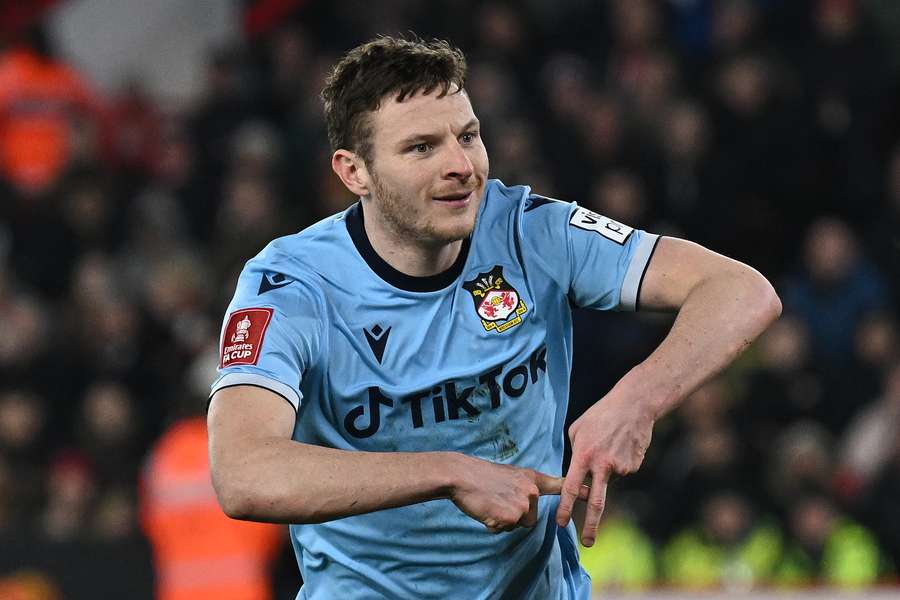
394	379
199	553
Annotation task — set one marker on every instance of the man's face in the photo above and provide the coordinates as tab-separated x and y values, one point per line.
429	167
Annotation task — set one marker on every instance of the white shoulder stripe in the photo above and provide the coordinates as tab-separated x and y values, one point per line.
233	379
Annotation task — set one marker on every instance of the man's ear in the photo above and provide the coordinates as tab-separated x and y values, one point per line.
352	171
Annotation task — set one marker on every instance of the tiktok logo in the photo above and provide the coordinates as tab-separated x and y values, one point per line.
448	401
376	401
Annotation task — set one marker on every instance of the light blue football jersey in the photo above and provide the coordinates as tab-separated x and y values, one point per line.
475	360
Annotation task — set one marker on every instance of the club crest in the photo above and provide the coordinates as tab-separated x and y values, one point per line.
496	301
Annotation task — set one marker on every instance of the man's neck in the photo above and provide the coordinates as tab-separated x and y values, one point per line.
409	256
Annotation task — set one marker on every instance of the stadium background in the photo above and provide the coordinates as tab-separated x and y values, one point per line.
157	146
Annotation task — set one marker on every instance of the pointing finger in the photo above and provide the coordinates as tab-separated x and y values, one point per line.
547	484
570	490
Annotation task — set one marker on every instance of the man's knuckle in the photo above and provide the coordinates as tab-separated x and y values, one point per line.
603	462
584	454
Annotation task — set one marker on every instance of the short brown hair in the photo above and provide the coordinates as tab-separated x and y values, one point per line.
381	67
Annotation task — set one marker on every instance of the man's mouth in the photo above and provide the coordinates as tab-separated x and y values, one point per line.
458	197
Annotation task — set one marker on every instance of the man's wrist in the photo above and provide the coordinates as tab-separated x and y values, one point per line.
656	392
447	468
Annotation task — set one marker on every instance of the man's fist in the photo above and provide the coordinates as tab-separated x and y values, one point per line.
502	497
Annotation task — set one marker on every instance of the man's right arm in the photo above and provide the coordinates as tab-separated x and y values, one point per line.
261	474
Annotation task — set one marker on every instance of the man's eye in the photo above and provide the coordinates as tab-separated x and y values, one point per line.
420	148
468	138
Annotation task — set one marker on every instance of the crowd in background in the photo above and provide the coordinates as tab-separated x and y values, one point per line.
768	131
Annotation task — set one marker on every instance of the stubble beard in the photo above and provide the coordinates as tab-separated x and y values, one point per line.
407	221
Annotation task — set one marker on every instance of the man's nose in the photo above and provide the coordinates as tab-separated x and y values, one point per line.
458	165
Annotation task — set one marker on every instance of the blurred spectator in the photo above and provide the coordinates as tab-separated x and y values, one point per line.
802	459
730	548
45	106
620	195
880	508
756	132
26	333
876	348
177	178
199	553
871	440
71	490
878	343
255	150
832	294
249	218
491	87
109	434
23	452
29	585
735	26
648	83
842	102
115	516
286	64
504	31
705	452
513	158
826	548
688	180
610	568
565	81
782	389
137	130
221	112
91	218
603	129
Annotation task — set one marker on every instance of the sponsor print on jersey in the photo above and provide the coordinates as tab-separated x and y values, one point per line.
243	336
496	301
588	220
450	401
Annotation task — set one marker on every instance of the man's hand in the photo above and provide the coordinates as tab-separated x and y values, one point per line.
502	497
610	437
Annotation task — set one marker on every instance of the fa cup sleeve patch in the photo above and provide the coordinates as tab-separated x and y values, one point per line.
243	336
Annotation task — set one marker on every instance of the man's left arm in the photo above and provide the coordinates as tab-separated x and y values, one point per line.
722	305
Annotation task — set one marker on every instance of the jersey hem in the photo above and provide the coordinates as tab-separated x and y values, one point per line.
634	277
235	379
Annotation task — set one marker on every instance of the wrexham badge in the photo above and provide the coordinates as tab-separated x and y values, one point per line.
496	302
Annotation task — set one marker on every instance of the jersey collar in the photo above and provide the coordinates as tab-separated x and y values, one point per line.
432	283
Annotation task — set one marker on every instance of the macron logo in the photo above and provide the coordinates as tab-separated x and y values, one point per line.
272	282
377	338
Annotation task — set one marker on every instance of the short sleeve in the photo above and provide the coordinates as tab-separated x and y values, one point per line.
598	262
271	334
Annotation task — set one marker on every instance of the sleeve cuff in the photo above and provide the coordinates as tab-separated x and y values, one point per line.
235	379
634	277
